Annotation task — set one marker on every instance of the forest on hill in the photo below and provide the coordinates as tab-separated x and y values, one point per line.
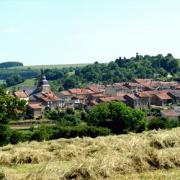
10	64
120	70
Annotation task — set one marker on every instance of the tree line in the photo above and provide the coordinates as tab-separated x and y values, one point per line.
10	64
120	70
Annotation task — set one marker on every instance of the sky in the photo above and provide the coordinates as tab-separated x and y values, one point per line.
84	31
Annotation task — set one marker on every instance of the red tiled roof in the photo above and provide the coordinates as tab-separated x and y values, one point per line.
132	85
97	95
170	113
111	98
163	96
35	106
132	96
178	87
47	96
95	89
65	93
81	91
20	94
151	83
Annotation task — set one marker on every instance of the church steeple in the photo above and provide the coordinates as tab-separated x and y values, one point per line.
43	85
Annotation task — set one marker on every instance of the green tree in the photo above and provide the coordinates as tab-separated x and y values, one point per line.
118	117
10	109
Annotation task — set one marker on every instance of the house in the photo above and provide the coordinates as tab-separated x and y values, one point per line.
48	100
132	100
35	110
134	87
43	95
110	98
144	98
175	95
161	99
170	114
96	88
22	95
114	89
149	84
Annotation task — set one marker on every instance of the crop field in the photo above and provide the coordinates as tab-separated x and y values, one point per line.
58	66
149	155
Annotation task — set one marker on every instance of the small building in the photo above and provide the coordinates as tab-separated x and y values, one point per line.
134	87
170	114
161	99
111	98
35	111
116	88
22	95
144	99
132	100
175	95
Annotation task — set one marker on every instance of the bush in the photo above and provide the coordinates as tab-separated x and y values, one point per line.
159	123
15	137
5	133
80	131
42	133
117	116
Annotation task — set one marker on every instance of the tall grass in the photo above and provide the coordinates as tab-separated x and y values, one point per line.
110	157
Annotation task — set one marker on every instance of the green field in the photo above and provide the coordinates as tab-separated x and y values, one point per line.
58	66
27	82
1	81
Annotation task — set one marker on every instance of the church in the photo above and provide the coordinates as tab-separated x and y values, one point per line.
40	99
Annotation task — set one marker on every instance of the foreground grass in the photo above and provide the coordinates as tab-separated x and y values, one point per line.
150	155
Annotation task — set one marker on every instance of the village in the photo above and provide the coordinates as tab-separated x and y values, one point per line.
164	97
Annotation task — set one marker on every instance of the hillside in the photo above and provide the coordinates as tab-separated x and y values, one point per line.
150	155
58	66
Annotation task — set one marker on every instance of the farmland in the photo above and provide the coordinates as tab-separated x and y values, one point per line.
55	66
150	155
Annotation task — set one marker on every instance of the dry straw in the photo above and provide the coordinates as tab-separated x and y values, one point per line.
87	158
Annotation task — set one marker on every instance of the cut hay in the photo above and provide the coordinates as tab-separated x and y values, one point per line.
99	158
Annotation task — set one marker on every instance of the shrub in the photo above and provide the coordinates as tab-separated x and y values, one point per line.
117	116
159	123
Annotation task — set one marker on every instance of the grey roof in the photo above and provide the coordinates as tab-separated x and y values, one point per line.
175	93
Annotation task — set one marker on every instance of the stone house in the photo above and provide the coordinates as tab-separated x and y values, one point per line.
132	101
116	88
161	99
22	95
175	95
35	111
134	87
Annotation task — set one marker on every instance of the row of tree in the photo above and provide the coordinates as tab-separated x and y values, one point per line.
10	64
122	69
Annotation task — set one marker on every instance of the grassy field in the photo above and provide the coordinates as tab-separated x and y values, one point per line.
150	155
27	82
59	66
1	81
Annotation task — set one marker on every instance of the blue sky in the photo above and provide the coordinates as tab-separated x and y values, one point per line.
84	31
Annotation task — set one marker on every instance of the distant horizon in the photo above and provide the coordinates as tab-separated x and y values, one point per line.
10	60
40	32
